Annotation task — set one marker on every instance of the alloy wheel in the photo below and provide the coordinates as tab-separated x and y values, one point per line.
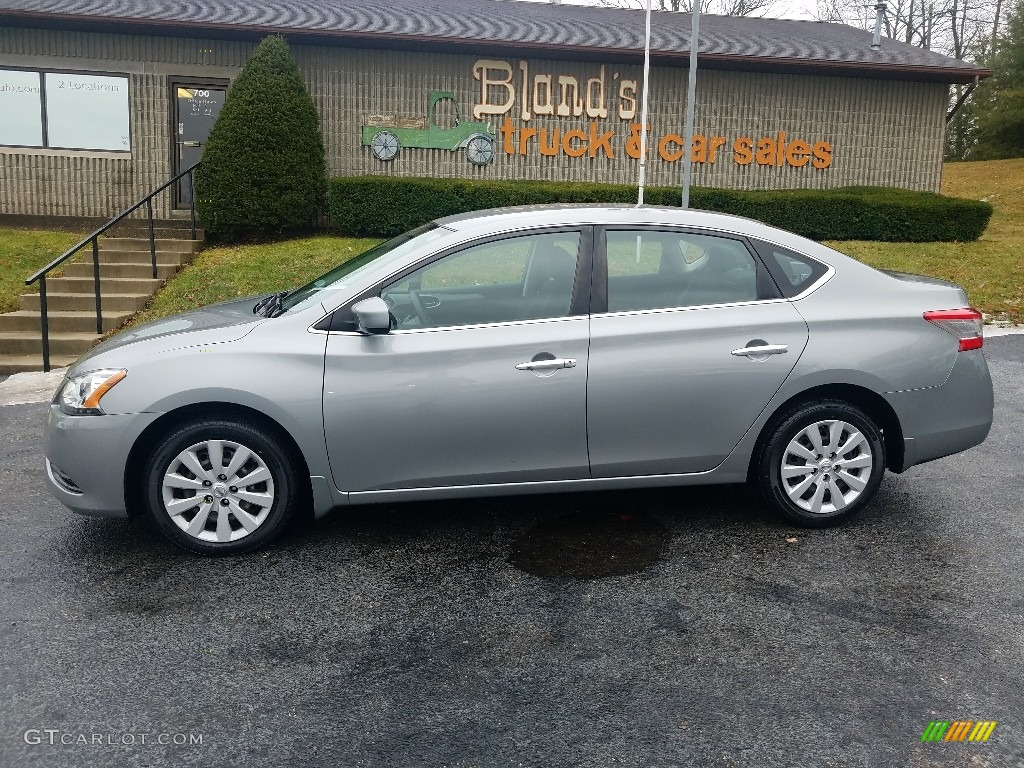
217	490
826	466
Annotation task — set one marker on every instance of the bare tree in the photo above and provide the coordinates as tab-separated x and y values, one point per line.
995	25
960	28
745	7
719	7
964	29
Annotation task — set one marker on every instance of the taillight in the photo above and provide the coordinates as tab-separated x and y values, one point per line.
965	324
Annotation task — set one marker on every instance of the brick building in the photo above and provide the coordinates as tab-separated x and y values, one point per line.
102	100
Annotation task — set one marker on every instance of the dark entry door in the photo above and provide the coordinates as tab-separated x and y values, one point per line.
196	108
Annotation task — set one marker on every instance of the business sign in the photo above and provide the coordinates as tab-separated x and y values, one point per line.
585	104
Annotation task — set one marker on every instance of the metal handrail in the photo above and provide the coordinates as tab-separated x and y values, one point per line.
94	240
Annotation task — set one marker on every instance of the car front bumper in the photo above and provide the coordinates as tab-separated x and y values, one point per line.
86	458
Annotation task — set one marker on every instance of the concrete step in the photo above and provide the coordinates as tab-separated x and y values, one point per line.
142	244
31	343
61	321
177	220
85	302
107	285
179	232
136	269
126	286
175	258
10	364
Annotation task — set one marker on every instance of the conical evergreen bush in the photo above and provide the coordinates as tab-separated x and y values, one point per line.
263	171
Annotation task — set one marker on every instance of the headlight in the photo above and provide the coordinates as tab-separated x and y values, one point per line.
80	395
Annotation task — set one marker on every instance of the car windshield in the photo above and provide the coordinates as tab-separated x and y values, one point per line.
342	275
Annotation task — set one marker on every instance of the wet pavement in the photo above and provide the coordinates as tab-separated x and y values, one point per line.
680	627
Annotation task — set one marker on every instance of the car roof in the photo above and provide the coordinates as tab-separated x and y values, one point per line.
530	216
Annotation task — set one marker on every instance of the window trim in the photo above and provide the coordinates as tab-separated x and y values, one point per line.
765	282
340	321
690	308
44	116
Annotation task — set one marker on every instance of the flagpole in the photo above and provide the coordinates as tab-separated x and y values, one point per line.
691	92
643	107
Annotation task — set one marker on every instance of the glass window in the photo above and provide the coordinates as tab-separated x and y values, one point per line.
83	111
87	112
793	272
342	276
650	269
21	109
518	278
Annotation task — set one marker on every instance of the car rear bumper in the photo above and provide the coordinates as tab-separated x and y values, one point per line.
86	458
950	418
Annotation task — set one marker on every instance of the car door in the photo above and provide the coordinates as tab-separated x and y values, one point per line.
689	342
481	380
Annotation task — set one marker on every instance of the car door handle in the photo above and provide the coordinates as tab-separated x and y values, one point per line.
764	349
547	365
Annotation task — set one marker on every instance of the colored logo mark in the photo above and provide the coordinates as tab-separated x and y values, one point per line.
958	730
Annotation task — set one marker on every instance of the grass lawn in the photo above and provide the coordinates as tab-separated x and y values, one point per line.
22	252
991	269
225	272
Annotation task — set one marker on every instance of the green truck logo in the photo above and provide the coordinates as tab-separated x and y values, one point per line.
386	135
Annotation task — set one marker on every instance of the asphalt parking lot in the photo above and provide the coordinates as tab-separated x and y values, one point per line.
670	628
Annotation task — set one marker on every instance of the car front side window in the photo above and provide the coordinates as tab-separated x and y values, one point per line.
527	277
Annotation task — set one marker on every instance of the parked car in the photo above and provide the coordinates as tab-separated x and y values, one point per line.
527	350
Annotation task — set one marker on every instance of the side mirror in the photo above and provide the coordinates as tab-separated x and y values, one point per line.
372	316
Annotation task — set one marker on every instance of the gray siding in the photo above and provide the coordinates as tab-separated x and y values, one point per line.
882	132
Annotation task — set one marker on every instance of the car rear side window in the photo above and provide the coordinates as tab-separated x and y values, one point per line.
793	272
652	269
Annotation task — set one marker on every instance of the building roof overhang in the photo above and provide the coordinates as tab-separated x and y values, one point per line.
542	30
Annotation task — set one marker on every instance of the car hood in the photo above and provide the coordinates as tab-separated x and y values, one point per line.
213	324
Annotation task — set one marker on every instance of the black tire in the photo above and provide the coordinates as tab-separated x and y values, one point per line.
779	493
284	488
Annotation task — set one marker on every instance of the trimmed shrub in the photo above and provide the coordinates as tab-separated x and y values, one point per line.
263	171
385	206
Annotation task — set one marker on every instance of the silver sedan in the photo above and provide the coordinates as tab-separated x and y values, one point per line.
527	350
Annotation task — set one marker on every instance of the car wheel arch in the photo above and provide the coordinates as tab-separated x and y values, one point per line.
169	421
870	402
